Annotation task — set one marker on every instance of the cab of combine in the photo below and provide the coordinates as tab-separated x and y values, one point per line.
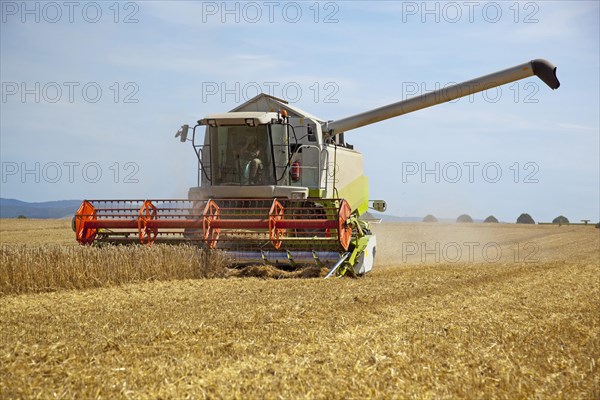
267	148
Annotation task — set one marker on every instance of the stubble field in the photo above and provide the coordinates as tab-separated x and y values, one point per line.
451	310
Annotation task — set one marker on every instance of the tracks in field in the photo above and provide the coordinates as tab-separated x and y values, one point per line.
415	286
454	329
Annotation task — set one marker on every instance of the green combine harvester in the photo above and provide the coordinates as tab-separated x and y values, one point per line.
276	185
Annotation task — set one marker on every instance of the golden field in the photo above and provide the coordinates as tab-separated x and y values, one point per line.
450	311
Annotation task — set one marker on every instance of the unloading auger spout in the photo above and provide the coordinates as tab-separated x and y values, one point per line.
543	69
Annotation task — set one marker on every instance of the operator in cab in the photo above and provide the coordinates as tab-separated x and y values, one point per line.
252	166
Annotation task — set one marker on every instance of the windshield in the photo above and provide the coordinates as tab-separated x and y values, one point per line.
241	155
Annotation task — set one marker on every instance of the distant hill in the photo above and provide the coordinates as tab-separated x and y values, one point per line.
11	208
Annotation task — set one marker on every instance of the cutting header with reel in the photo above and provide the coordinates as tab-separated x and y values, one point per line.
275	184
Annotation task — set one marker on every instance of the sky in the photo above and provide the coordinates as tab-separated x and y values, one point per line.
93	93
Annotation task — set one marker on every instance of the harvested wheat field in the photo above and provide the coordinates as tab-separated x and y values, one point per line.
451	311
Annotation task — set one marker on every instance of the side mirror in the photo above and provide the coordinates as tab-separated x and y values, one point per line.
182	133
379	205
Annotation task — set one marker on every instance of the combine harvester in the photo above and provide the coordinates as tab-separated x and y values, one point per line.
276	185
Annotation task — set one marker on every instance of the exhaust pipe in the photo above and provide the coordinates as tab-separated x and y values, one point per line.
543	69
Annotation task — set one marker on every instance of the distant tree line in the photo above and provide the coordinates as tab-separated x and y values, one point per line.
523	219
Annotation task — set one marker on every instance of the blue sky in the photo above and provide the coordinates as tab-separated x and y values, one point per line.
161	64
